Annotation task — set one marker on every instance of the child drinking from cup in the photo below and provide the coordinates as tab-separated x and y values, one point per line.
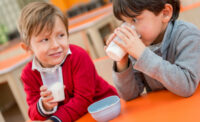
161	52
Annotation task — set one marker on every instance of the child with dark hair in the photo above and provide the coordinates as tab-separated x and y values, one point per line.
162	52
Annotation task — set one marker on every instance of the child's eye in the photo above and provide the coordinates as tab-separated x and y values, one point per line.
44	40
61	35
135	20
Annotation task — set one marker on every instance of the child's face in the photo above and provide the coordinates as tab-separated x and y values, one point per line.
51	49
148	25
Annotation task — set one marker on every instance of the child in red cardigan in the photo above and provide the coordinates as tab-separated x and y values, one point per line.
44	33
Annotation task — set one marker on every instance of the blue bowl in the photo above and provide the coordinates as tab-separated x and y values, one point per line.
105	109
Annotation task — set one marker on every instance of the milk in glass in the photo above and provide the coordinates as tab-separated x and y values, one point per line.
54	82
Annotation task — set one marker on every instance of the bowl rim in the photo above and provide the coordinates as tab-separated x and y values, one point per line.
118	100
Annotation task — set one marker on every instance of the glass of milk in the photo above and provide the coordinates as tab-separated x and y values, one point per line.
54	82
114	51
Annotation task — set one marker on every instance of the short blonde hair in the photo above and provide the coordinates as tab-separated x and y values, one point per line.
37	16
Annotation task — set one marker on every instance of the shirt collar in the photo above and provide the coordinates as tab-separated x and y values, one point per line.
155	47
37	66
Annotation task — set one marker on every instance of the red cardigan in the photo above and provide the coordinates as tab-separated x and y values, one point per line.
83	87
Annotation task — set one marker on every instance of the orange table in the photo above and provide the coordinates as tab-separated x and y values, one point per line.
10	71
160	106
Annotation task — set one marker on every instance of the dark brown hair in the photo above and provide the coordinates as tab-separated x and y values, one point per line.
37	16
124	7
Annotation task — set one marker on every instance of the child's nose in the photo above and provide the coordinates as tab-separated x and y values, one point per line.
54	44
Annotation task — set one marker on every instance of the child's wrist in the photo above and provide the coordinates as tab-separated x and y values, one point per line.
123	64
46	108
139	53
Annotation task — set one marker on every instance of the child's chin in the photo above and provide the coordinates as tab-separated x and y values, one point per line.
59	61
56	63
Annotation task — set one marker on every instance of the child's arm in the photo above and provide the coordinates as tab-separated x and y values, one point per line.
129	82
181	78
183	75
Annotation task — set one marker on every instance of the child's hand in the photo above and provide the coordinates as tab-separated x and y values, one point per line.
46	98
110	39
123	64
132	43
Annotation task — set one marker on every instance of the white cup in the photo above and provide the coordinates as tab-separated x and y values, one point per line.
54	82
114	51
57	90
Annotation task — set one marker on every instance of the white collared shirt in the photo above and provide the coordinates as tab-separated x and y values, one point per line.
37	66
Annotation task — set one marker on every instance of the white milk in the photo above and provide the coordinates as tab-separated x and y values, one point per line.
54	82
57	90
114	51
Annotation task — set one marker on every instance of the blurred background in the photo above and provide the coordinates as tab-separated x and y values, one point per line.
90	23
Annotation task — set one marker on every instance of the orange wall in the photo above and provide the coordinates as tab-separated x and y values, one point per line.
65	4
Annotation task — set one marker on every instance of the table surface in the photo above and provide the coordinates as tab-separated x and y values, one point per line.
89	18
156	107
12	62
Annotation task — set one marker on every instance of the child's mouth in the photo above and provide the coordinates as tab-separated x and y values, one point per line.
57	54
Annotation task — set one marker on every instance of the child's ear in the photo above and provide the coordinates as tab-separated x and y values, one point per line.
167	13
25	47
